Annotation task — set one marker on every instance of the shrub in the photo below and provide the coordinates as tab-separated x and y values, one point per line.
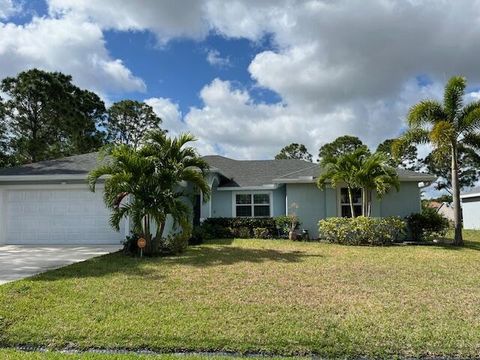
283	224
130	244
362	230
221	228
242	232
427	225
175	243
197	237
261	233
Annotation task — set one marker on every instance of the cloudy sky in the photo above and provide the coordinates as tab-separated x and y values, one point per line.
248	77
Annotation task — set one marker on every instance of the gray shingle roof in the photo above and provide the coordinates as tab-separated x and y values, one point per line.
236	173
72	165
244	173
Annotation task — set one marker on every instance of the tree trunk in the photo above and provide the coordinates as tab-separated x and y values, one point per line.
350	198
457	207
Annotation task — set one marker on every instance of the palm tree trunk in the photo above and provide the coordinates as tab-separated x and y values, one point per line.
350	198
457	207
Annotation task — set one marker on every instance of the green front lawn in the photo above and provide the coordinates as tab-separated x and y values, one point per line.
273	296
21	355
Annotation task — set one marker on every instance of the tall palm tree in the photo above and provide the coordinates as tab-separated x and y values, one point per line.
375	174
343	170
446	125
146	184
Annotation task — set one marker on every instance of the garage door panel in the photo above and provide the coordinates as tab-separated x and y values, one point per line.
71	216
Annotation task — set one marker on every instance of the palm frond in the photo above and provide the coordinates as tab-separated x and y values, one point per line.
426	112
453	96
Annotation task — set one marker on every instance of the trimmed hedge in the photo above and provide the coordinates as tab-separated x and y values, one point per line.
362	230
218	228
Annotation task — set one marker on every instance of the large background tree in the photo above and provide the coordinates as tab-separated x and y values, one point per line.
4	157
407	158
448	126
468	167
48	116
340	146
294	151
128	121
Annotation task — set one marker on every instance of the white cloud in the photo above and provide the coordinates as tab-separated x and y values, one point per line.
242	128
170	114
339	67
8	8
167	19
214	58
65	44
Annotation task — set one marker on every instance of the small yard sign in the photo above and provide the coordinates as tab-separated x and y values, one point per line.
141	243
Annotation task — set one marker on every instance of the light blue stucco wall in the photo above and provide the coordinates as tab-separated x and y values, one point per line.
471	213
314	204
222	201
401	203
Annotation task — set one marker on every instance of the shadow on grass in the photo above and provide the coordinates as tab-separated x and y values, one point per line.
151	267
471	245
214	256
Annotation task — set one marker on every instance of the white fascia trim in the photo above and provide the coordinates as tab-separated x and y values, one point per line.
263	187
294	181
465	196
42	177
428	178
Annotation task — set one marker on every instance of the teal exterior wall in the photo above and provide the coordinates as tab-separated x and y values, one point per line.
309	204
314	204
222	201
401	203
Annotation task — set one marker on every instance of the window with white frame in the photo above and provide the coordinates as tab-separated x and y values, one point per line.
345	210
252	205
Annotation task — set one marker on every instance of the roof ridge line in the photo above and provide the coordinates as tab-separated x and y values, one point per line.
297	171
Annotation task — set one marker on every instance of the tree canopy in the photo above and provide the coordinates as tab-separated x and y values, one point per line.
340	146
48	116
294	151
129	120
406	158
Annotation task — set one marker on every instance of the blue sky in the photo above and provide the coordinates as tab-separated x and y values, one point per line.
248	77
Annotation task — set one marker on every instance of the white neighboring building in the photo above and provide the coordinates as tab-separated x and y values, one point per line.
471	208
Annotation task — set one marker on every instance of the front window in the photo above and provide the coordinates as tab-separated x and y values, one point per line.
252	205
345	210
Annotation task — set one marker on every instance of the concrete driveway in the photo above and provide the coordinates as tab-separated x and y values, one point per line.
20	261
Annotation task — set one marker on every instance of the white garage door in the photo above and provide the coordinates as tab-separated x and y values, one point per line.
70	216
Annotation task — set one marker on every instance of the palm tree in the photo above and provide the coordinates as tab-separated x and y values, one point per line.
375	174
343	170
146	184
446	126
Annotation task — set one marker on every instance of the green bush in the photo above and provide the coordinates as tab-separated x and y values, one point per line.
283	224
261	233
130	246
362	230
197	237
175	243
221	228
242	232
427	225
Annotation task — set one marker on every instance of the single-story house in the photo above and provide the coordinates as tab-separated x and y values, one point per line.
49	203
471	208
